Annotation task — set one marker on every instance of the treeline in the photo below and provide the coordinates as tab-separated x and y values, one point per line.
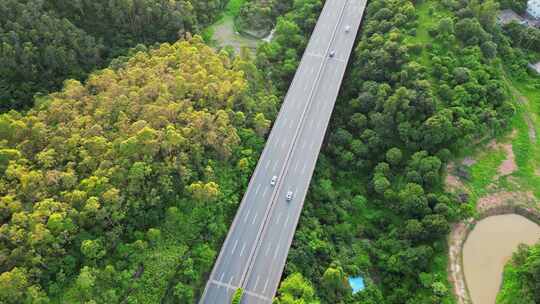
44	42
376	205
523	36
107	188
522	277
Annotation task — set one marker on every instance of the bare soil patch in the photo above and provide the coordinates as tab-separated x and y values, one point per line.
452	181
468	161
503	198
509	165
456	277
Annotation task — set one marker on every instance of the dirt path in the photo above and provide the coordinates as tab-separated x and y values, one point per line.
457	238
509	165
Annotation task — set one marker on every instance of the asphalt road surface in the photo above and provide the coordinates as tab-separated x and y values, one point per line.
255	249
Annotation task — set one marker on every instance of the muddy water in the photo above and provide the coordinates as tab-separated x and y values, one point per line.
488	247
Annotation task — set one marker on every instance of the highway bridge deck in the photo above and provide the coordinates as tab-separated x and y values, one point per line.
255	251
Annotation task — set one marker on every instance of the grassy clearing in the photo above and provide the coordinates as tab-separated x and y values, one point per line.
484	170
425	22
224	32
429	13
525	123
526	96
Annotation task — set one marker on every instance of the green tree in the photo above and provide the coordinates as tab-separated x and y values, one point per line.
334	284
92	249
13	285
394	156
296	290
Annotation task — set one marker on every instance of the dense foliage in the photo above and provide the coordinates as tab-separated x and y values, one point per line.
140	168
519	6
44	42
522	277
523	36
376	204
38	51
123	24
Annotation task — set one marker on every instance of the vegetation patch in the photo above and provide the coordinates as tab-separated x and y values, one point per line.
521	277
43	43
122	189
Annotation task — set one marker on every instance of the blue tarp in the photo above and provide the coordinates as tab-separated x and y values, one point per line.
357	284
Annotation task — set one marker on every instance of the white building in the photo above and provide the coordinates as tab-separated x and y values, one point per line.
533	8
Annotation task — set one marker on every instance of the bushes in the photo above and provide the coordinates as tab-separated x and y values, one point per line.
521	281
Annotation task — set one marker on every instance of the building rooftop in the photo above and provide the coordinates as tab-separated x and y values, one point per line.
533	8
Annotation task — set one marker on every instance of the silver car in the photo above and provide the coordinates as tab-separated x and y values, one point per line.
289	196
273	181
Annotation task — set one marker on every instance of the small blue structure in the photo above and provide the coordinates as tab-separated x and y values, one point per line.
357	284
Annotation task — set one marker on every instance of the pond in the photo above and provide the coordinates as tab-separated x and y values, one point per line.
489	246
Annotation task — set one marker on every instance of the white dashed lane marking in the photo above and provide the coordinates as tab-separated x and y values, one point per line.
234	248
242	251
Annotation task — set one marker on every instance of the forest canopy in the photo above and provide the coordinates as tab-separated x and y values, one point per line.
44	42
90	173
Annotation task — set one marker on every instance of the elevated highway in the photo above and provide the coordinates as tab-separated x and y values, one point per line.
255	250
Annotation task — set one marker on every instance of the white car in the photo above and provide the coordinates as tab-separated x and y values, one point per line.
347	29
289	196
273	181
332	54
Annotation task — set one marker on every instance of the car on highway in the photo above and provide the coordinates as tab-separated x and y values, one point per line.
273	181
332	54
289	196
347	28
